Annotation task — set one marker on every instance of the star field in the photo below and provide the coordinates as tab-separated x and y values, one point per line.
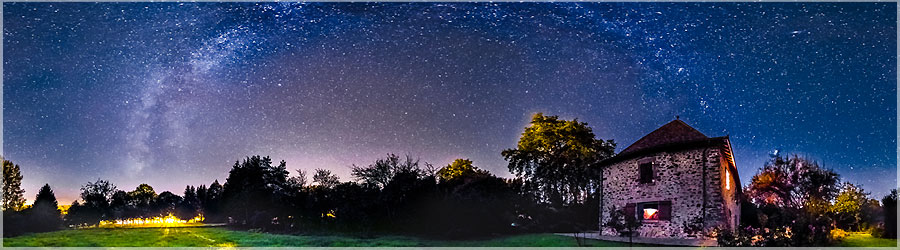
171	94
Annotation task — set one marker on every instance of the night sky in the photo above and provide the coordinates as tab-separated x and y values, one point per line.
172	94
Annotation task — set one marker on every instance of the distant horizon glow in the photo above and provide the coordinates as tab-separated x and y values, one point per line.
172	94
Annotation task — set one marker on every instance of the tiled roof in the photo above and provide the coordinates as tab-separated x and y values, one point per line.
673	132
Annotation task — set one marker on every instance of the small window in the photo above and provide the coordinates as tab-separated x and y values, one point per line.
646	172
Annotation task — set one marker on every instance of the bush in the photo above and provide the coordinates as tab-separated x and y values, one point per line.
14	223
731	239
755	237
838	234
877	231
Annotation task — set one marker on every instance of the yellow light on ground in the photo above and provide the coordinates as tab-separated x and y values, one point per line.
168	220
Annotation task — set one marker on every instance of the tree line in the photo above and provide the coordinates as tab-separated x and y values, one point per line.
553	190
790	202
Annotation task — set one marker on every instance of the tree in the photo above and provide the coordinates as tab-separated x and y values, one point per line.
142	196
212	201
97	194
256	191
792	195
80	215
409	187
45	214
190	205
13	194
457	169
121	207
473	202
793	182
166	203
298	181
889	203
324	178
556	156
42	216
202	195
380	173
190	195
872	216
848	206
214	192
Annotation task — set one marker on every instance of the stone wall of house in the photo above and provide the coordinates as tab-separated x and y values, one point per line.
730	189
678	178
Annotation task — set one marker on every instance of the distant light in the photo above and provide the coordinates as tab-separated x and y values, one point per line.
168	220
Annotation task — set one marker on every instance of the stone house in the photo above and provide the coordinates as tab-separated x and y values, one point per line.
675	181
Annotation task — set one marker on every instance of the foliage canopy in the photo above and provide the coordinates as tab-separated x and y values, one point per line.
556	157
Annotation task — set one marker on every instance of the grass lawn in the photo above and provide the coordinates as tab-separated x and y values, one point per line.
866	240
222	237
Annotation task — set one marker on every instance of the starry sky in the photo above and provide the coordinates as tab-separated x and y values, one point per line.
171	94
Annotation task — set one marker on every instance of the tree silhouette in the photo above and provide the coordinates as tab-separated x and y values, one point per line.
96	197
298	181
166	203
190	205
889	202
142	196
212	201
45	214
98	193
384	170
325	178
255	191
474	202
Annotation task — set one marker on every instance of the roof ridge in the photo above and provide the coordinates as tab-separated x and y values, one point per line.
674	131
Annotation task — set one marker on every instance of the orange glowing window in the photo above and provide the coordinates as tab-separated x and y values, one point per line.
651	214
656	210
727	180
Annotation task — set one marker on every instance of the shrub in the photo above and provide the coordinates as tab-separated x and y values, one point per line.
755	237
838	234
14	223
877	230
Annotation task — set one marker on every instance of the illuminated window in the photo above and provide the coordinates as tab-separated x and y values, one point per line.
655	211
651	212
727	180
646	172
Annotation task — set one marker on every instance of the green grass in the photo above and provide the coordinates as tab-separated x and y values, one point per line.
866	240
221	237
